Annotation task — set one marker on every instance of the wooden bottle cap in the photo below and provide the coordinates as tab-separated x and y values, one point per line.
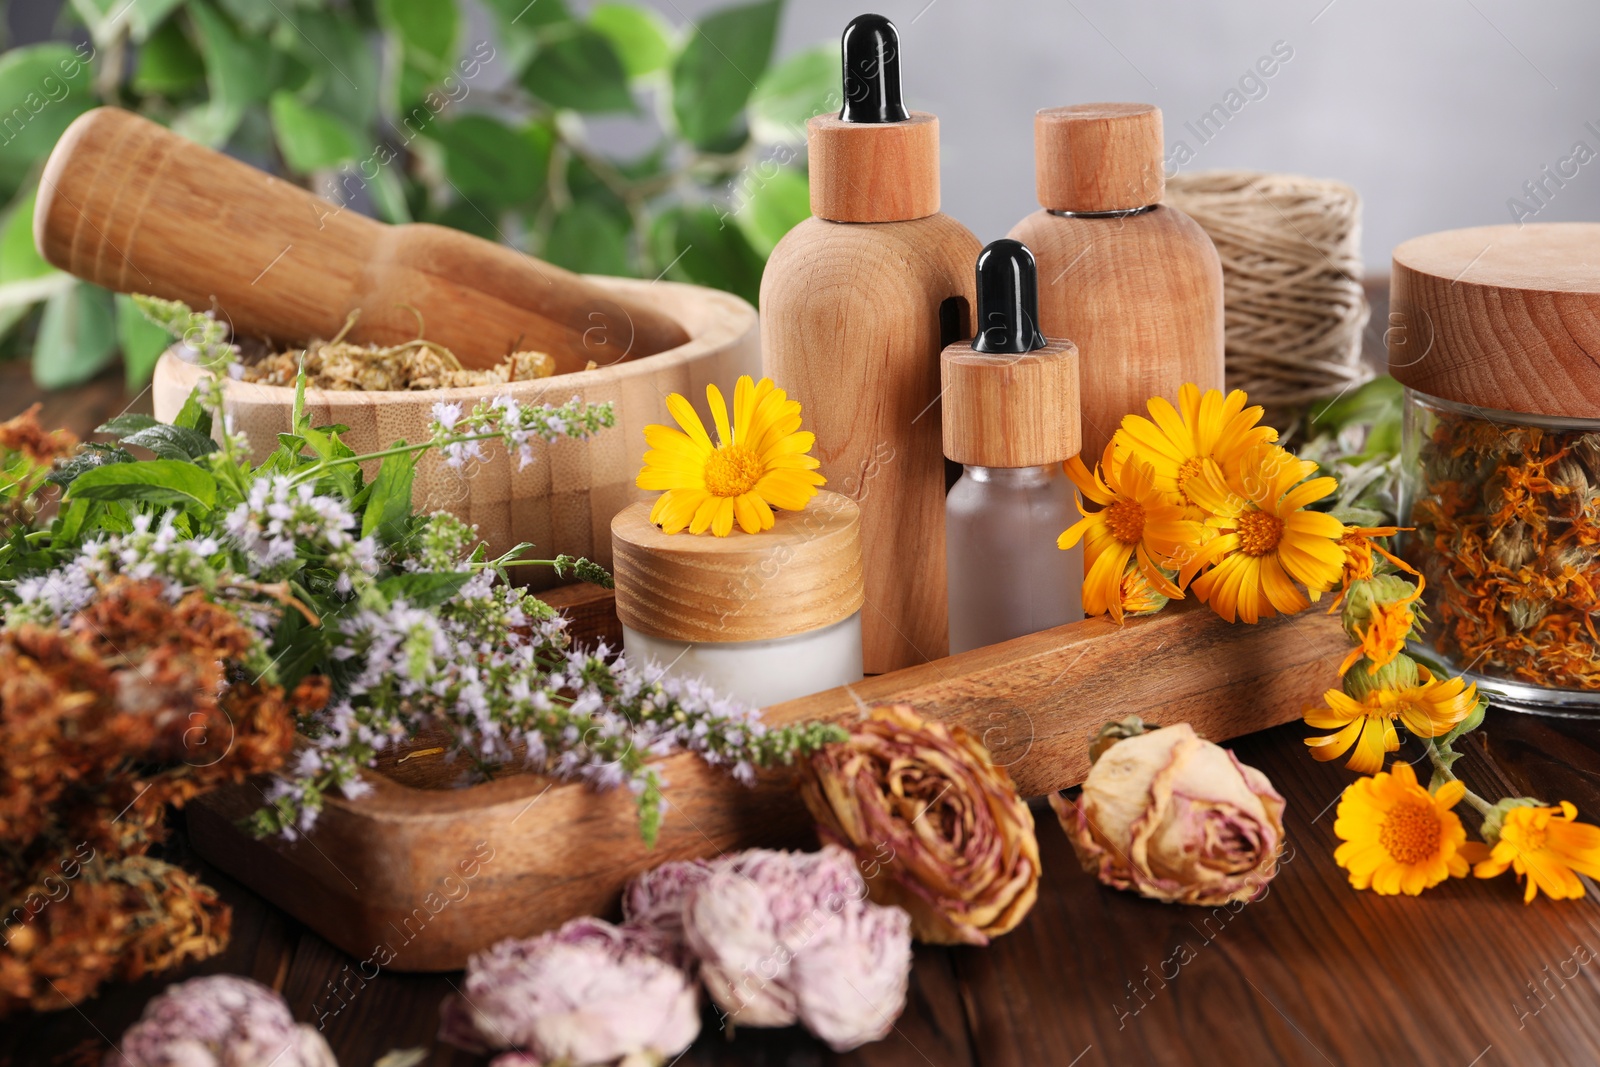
1099	157
801	575
874	172
1501	317
1007	410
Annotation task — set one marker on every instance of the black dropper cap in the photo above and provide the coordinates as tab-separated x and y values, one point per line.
871	47
1008	299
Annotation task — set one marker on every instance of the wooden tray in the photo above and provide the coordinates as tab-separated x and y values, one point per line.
417	876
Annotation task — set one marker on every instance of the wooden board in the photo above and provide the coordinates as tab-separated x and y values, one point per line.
1313	967
564	501
381	873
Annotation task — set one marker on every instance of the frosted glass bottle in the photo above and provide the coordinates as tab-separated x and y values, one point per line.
1010	415
1007	577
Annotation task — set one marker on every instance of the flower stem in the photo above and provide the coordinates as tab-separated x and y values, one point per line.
1442	767
316	470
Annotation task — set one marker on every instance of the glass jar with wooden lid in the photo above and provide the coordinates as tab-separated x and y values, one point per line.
1495	333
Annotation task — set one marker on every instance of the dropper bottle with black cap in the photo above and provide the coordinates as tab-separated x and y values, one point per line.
856	304
1011	420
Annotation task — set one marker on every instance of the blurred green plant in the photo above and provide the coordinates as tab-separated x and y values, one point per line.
476	114
1356	438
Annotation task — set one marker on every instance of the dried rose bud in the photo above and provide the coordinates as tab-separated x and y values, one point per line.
937	826
587	993
789	936
220	1021
1176	818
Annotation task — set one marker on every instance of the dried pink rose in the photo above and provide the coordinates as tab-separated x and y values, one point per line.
220	1021
790	936
936	824
1176	818
588	993
652	907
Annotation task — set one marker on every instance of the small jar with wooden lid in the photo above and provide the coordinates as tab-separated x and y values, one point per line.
761	618
1495	333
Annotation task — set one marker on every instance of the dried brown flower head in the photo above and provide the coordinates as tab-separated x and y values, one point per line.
341	365
24	434
936	825
137	704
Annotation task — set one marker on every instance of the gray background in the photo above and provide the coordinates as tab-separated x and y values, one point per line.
1437	111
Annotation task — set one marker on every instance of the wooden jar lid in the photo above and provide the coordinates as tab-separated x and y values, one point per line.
1501	317
801	575
1008	410
1099	157
874	172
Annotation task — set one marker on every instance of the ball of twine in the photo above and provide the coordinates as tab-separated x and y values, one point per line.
1294	308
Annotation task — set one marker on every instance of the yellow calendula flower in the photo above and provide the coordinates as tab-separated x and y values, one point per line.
1382	634
759	462
1365	721
1547	846
1177	442
1268	540
1398	837
1135	521
1139	597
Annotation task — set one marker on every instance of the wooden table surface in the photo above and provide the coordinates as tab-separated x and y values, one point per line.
1313	973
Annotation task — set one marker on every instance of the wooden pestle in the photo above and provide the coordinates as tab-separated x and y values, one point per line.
134	207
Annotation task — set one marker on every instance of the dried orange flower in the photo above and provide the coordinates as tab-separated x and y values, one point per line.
1508	520
24	434
103	724
1360	545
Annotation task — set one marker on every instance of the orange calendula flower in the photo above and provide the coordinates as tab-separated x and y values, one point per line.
1360	544
1398	837
1384	636
1547	846
1177	442
1139	597
1136	521
1427	707
1268	541
759	461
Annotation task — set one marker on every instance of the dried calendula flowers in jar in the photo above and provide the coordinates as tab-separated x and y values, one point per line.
1494	333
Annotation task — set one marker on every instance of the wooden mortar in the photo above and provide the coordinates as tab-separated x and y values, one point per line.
562	502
